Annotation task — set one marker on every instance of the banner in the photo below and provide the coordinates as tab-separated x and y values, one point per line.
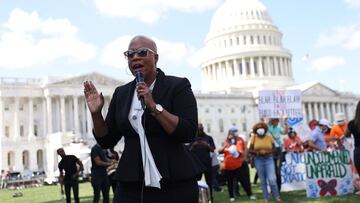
301	128
280	103
328	173
293	172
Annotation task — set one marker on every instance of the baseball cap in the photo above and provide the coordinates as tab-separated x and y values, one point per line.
325	122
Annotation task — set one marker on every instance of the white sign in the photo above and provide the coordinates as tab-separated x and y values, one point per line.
280	103
301	128
293	174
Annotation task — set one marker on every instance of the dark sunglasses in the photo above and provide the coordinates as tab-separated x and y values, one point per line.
142	52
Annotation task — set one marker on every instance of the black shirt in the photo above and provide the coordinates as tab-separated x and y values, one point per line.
201	150
354	132
68	164
96	169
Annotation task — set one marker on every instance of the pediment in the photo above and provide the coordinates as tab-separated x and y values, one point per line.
96	78
319	89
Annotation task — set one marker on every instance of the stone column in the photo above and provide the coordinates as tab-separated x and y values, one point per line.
285	67
89	124
311	115
76	115
261	68
276	66
62	114
269	66
252	67
44	125
327	104
31	118
16	118
322	113
236	68
244	69
338	109
282	70
304	112
1	131
333	111
316	110
49	115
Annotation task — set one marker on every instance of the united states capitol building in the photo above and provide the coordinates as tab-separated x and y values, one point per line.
244	54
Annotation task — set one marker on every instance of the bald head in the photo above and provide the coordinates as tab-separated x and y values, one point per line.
145	40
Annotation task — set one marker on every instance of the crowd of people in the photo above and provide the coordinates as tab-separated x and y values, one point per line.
166	151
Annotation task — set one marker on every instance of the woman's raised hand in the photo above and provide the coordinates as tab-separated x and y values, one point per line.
94	100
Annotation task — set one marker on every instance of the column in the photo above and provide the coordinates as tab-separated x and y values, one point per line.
16	118
229	72
322	113
76	115
290	68
316	110
261	68
236	68
44	116
49	115
31	118
311	115
338	107
62	114
252	67
285	67
243	64
89	124
275	62
268	66
327	104
282	70
333	110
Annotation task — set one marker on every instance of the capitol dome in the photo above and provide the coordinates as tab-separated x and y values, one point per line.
243	50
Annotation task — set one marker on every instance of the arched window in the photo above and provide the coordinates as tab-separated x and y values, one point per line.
40	159
11	159
26	159
221	125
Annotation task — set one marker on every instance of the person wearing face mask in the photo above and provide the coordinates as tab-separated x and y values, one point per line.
317	139
338	130
235	167
293	143
262	146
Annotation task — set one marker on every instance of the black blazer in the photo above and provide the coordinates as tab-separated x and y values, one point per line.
173	159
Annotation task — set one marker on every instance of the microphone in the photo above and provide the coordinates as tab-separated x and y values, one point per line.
139	77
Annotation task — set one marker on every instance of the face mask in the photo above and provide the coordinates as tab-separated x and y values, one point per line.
260	131
341	122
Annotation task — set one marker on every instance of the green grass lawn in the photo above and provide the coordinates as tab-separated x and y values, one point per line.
51	194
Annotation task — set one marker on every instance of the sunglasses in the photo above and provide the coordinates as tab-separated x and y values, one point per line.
142	52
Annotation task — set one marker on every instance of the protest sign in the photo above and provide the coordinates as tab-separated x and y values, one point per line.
293	172
280	103
300	127
328	173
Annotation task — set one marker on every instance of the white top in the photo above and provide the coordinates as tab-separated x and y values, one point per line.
151	173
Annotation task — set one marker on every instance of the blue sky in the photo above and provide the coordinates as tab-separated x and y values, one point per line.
72	37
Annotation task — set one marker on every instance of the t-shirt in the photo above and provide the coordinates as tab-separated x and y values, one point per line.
265	143
318	138
292	144
96	169
68	164
231	163
276	133
355	133
338	130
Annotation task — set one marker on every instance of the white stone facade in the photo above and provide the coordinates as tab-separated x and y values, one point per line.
245	55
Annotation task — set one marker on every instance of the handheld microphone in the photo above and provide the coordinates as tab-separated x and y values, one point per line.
139	77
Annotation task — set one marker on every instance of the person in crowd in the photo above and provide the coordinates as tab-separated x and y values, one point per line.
72	167
251	156
293	143
113	156
99	179
277	131
313	123
337	132
354	129
4	178
317	139
262	146
202	146
157	115
235	166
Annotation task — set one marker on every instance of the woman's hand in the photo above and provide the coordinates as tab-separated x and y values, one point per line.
94	100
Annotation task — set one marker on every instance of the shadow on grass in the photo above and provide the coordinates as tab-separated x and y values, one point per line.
83	199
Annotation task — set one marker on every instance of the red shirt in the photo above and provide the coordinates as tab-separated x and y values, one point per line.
231	163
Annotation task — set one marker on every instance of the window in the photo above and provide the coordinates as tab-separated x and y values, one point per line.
208	127
252	39
244	40
221	125
219	110
7	131
6	107
34	107
21	130
232	110
21	107
35	130
244	127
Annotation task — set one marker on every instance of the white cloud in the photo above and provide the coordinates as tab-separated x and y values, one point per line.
353	3
170	53
26	41
327	62
346	37
150	11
